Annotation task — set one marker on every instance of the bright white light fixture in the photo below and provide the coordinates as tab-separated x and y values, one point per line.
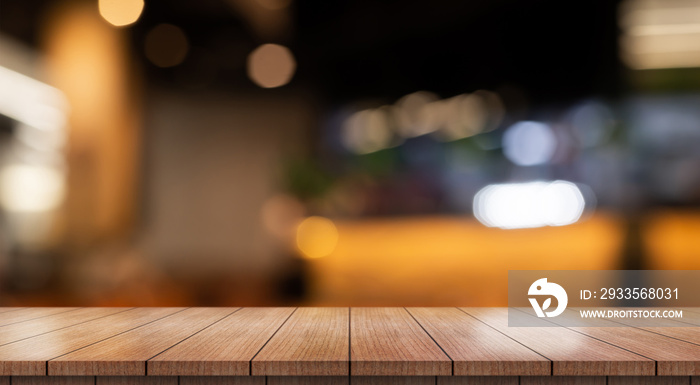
527	205
660	33
529	143
30	189
31	102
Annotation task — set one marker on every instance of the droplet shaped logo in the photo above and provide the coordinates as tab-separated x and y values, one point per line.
543	288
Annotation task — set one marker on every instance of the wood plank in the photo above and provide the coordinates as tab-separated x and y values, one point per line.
478	380
128	380
691	309
687	334
31	313
393	380
308	380
695	380
127	353
388	341
645	380
5	380
34	380
476	348
222	380
6	309
28	357
225	349
313	342
563	380
31	328
572	353
673	357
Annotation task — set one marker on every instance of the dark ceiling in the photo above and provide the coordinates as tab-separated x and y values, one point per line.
552	51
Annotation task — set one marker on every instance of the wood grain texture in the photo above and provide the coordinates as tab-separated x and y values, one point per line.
388	341
225	380
572	353
476	348
53	380
28	357
30	313
308	380
313	342
393	380
314	346
673	357
563	380
644	380
127	353
127	380
31	328
225	349
478	380
6	309
688	334
695	380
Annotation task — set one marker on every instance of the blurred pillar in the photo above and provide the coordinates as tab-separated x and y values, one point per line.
88	59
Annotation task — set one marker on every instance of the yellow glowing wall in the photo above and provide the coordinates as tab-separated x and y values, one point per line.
443	261
88	60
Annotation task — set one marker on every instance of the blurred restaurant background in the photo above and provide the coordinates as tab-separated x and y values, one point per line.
388	153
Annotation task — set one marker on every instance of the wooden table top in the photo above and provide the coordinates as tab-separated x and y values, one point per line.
327	342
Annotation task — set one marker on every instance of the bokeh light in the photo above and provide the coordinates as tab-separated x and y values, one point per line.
32	102
494	107
368	131
26	188
121	12
529	143
317	237
271	65
415	113
166	45
422	113
527	205
465	115
660	34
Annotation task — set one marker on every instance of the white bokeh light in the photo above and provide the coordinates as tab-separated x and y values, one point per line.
527	205
529	143
28	188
